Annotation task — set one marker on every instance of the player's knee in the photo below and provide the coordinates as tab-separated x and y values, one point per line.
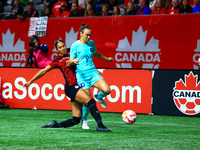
76	120
107	91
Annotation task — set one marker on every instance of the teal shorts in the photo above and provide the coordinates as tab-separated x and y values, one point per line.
86	79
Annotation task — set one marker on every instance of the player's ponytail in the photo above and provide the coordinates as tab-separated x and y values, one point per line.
84	26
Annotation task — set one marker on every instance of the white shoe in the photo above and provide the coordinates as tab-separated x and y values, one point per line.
85	124
101	101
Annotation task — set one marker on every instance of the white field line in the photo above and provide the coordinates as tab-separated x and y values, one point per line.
117	122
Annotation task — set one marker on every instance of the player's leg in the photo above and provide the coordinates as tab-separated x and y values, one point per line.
83	81
76	112
85	112
81	96
104	88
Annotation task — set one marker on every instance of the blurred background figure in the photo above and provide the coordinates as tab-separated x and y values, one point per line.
82	3
88	11
41	52
57	6
17	9
49	3
130	10
175	7
97	6
31	12
144	8
116	11
186	8
48	12
196	8
159	8
64	12
104	10
75	12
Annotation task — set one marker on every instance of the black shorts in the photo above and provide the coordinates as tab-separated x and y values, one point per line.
71	91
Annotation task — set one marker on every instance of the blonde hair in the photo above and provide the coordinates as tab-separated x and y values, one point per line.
130	3
88	13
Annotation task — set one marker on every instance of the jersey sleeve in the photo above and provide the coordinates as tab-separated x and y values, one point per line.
73	53
53	64
94	47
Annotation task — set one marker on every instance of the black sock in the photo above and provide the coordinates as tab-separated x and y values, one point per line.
95	113
69	122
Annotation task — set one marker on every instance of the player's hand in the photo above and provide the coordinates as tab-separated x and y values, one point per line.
76	61
72	62
110	59
26	84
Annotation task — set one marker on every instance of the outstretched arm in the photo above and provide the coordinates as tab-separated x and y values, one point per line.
38	75
98	55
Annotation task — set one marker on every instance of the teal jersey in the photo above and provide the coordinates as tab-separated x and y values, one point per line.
84	52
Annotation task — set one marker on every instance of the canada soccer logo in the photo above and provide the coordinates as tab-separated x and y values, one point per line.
186	94
139	53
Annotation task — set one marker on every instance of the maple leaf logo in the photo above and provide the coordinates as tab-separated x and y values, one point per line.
137	51
12	52
196	56
70	38
8	42
186	94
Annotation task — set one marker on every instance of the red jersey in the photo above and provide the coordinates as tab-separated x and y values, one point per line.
56	8
89	15
174	11
68	72
66	14
162	11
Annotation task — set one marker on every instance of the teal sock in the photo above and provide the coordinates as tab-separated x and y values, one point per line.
85	112
101	95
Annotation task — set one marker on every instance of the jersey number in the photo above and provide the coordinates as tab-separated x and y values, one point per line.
86	57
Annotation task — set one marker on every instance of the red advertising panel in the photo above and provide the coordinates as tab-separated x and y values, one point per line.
130	89
154	41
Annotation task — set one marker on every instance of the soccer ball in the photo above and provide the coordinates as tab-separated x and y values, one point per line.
129	116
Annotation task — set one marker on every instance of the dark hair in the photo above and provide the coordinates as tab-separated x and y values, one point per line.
75	3
50	12
34	37
56	43
30	3
84	26
117	9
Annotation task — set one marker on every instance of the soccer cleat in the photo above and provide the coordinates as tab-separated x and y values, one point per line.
101	101
103	129
50	125
85	124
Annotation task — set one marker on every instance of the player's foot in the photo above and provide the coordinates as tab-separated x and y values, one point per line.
101	101
103	129
85	124
50	125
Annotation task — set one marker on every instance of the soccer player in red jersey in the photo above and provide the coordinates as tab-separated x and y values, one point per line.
78	95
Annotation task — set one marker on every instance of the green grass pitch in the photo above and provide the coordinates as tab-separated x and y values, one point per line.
21	129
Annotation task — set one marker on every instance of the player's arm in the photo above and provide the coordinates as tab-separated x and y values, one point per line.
73	56
38	75
72	62
100	56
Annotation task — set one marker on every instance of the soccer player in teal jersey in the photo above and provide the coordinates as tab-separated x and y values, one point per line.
86	72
